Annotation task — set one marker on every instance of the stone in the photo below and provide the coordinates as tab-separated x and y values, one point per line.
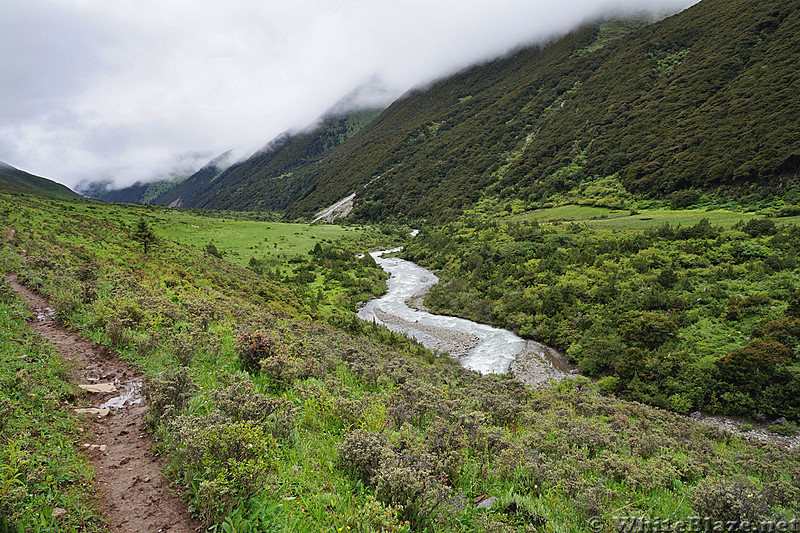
487	503
779	421
94	411
697	415
98	387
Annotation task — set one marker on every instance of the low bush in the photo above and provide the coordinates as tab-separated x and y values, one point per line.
736	499
224	463
167	394
364	453
251	348
240	402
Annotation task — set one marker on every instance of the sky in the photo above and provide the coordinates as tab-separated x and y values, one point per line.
129	91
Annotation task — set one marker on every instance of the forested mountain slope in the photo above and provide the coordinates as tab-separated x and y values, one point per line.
264	181
702	99
138	193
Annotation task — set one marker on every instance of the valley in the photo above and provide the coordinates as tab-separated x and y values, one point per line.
557	290
332	411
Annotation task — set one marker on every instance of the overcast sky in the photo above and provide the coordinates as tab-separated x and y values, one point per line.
134	89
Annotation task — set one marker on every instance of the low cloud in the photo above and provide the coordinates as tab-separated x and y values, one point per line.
127	91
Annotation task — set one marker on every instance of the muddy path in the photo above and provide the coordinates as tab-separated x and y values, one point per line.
134	496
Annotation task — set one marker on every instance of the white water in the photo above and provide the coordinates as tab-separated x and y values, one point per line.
496	347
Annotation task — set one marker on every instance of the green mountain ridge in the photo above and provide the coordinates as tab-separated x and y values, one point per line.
17	181
702	100
242	185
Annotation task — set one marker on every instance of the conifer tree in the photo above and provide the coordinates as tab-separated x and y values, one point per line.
143	234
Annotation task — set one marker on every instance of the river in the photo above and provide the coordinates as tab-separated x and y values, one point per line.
480	347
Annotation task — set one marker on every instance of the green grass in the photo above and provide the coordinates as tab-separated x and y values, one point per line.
237	239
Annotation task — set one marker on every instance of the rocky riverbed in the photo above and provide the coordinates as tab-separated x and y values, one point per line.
538	364
456	343
755	431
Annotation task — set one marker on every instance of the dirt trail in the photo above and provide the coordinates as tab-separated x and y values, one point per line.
133	494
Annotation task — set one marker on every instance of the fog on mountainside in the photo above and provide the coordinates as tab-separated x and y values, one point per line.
96	91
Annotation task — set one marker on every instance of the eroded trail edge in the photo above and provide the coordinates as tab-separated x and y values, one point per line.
133	493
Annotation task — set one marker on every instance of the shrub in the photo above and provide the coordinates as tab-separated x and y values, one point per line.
647	329
283	369
415	402
793	309
787	429
117	332
240	402
418	492
608	384
185	346
251	348
730	499
757	227
375	517
752	367
225	463
167	394
363	453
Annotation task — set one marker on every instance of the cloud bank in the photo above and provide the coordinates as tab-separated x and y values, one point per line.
127	91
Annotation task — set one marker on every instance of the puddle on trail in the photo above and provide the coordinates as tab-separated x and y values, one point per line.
44	313
130	394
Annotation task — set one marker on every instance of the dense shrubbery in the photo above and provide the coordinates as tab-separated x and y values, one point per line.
686	317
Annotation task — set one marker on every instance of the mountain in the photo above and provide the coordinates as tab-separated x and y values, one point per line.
138	193
18	181
266	180
704	100
187	189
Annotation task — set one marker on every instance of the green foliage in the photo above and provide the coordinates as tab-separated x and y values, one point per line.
226	463
167	394
682	316
786	429
211	249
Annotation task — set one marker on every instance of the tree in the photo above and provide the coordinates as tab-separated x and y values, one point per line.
143	234
212	249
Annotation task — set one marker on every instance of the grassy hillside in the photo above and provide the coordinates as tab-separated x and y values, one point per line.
13	180
273	422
